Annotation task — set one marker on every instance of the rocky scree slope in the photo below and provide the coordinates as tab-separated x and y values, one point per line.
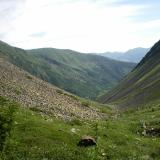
20	86
141	86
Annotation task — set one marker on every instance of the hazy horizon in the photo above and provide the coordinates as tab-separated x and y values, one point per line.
88	26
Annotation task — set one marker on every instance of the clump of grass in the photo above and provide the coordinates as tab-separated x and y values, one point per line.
75	122
85	103
59	91
6	120
29	77
67	94
71	95
35	109
17	91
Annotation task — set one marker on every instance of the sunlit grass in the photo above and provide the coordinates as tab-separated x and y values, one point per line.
35	136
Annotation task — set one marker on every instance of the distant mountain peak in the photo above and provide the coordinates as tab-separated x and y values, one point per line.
132	55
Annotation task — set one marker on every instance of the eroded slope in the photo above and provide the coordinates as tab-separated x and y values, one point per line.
29	91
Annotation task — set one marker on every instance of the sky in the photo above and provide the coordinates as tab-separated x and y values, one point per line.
90	26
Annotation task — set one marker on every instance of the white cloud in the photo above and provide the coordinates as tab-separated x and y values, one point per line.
86	25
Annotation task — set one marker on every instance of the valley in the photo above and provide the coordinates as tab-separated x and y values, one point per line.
85	75
141	86
39	121
79	80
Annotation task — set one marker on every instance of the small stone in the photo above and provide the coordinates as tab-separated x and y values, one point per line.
73	130
103	154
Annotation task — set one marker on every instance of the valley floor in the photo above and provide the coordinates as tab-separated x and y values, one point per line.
30	135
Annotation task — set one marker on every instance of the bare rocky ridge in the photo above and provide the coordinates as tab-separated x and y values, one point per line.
20	86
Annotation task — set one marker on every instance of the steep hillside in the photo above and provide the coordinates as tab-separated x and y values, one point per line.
38	95
132	55
26	134
81	74
141	86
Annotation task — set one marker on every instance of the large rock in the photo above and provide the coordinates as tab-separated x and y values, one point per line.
154	132
87	141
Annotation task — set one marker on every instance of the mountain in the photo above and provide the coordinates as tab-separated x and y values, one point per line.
39	121
85	75
132	55
29	91
141	86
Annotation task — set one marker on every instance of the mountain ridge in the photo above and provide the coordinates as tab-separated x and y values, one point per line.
141	86
132	55
81	74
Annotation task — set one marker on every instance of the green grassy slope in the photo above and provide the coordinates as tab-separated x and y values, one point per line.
26	134
141	86
84	75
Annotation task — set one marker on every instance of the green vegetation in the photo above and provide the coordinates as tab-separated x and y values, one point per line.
6	120
85	75
34	133
36	136
141	86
